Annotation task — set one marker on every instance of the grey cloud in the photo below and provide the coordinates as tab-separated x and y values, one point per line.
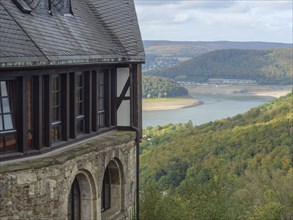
186	4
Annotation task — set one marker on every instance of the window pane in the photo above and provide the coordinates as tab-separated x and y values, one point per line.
7	98
101	78
3	88
55	98
80	95
101	120
30	140
56	114
80	126
55	83
1	144
56	133
101	91
101	104
10	142
79	81
6	106
80	108
29	104
8	121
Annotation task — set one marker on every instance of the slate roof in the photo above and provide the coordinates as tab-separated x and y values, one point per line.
100	31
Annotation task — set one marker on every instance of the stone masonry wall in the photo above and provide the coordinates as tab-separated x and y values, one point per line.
38	188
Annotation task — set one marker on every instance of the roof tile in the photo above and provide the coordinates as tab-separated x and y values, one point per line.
98	30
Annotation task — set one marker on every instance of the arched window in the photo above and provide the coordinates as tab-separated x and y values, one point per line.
81	198
112	194
106	192
74	202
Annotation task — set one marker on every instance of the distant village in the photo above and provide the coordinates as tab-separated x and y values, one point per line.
159	62
220	81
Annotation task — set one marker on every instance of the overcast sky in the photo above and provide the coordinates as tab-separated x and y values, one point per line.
209	20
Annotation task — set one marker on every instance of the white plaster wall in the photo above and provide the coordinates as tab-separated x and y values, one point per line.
123	113
122	76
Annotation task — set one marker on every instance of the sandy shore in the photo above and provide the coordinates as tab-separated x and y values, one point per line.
272	91
185	102
168	103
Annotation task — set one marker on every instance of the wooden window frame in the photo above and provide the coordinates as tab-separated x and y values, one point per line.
42	108
109	95
11	100
56	109
80	103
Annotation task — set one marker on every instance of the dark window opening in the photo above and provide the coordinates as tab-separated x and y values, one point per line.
29	112
74	202
7	116
106	192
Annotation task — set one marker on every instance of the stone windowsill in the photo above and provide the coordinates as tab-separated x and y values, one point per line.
59	156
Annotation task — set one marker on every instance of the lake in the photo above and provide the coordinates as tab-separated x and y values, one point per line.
215	106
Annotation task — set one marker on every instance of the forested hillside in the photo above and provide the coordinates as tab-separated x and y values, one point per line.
236	168
158	87
264	66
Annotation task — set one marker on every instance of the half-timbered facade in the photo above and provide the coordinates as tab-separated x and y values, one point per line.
70	109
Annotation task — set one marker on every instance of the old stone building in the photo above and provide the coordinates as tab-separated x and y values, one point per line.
70	109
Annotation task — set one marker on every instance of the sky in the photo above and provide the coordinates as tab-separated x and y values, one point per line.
210	20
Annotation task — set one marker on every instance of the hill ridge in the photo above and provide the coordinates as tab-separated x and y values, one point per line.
270	66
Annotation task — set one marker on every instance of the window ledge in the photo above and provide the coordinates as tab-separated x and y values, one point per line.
61	155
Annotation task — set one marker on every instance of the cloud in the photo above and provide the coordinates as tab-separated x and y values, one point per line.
181	17
204	5
185	4
248	20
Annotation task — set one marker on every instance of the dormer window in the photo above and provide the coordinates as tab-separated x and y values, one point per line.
67	8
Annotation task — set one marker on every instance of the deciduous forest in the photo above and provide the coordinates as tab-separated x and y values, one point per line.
159	87
272	66
235	168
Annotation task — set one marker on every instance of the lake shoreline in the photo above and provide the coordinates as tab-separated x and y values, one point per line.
163	104
274	91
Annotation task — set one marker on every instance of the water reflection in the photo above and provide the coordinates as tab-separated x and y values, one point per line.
215	106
